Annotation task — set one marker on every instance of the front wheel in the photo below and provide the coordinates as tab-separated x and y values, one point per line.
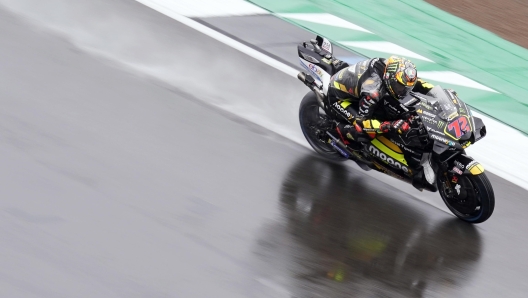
469	197
314	124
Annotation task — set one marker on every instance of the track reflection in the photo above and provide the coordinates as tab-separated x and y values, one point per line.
355	238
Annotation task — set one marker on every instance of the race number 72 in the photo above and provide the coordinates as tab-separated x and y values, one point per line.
458	127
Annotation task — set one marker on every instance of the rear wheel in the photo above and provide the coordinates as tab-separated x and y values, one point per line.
314	124
469	197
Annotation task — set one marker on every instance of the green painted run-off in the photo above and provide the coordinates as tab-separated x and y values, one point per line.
452	43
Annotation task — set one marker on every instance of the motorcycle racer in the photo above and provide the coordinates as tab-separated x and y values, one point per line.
365	93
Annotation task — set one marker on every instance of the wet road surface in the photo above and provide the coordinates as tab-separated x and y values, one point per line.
123	183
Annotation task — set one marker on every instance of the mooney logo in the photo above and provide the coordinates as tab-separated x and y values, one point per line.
375	151
443	140
340	108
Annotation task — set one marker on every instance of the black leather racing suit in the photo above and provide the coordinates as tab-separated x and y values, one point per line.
357	93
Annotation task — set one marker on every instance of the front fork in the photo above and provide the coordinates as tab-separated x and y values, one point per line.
454	170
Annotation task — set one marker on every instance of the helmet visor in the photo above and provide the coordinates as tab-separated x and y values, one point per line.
400	90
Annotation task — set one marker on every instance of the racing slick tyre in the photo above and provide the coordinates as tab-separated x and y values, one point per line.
469	197
314	124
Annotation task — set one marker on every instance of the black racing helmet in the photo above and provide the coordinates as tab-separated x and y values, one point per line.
400	76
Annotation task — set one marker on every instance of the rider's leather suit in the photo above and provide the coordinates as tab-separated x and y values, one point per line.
358	96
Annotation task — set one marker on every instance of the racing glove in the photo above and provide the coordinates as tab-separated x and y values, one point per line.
399	126
366	128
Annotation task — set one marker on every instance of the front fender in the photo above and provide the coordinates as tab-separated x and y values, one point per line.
466	165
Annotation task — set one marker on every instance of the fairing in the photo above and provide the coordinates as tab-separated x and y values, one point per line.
448	119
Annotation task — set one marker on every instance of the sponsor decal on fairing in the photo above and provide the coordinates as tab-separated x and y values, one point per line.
426	105
390	161
471	164
459	165
458	127
341	151
443	140
341	109
327	46
457	170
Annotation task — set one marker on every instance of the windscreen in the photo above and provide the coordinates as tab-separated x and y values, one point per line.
445	107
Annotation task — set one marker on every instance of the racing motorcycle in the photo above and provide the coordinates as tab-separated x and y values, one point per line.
430	156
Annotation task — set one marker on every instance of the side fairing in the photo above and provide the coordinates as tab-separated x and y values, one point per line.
459	129
389	153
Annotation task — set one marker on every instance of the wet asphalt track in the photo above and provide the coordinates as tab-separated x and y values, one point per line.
118	184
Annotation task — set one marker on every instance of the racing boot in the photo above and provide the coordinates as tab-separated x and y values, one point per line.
349	135
354	140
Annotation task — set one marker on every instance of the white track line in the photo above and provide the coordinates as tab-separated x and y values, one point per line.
323	18
164	8
212	8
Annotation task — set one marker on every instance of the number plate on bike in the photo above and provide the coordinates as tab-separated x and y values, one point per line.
458	127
